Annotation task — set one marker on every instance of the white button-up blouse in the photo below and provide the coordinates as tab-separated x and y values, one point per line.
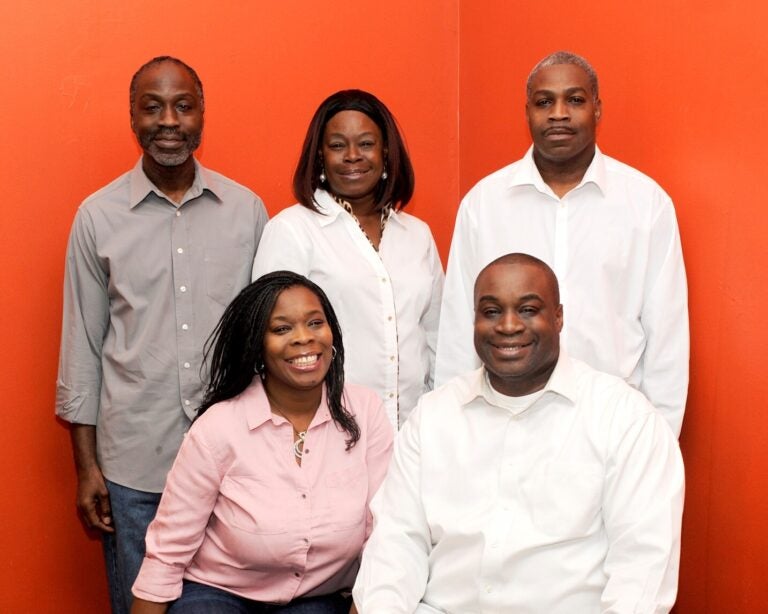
387	302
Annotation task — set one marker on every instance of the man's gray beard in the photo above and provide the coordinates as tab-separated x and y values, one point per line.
176	158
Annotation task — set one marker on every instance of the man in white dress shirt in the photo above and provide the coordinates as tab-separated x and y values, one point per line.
608	231
533	484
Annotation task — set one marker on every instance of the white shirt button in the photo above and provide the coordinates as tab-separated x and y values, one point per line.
183	288
186	365
180	250
392	358
186	402
185	327
178	213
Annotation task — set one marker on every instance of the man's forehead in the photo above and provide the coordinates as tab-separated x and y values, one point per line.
504	279
165	72
561	75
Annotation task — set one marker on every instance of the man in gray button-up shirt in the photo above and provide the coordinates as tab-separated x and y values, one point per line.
153	259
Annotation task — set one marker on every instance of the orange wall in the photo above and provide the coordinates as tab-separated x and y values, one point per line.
65	132
682	84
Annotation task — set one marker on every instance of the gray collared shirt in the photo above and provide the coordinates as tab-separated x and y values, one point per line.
145	283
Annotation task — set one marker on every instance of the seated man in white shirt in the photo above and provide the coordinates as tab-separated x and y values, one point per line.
534	484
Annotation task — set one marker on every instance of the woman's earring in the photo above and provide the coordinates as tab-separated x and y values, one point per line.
384	175
260	371
322	177
333	352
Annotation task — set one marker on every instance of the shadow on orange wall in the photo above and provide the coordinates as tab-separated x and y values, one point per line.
680	82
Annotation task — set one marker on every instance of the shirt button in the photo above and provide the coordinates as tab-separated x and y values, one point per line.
180	251
306	540
389	318
186	365
183	288
178	213
297	574
488	589
392	358
185	327
303	495
383	280
186	402
391	395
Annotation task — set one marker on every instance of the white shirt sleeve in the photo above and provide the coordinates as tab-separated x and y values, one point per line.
395	564
281	249
455	346
642	512
665	322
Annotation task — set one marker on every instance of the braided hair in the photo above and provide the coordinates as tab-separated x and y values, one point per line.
236	346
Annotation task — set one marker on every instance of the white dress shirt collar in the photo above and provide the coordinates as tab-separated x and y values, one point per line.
562	383
330	210
527	173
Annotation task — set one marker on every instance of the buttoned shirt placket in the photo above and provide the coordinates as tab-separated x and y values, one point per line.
389	319
189	360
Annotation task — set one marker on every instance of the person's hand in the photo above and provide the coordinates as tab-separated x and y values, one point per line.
93	500
140	606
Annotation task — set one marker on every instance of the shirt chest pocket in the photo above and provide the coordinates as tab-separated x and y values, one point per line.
227	269
249	504
565	500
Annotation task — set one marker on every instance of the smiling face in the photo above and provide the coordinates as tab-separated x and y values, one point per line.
297	343
353	156
167	114
562	114
517	326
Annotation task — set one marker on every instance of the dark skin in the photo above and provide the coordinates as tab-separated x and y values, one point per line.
353	155
518	320
167	102
562	115
92	496
297	328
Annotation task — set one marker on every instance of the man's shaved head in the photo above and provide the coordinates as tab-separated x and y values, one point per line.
520	258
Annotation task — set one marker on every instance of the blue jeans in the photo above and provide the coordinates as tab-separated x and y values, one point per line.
132	511
202	599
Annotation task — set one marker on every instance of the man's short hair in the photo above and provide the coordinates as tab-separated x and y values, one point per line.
160	60
563	57
521	258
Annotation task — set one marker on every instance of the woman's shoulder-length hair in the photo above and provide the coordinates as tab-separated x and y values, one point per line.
396	189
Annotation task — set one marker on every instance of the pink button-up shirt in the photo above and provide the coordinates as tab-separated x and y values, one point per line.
240	514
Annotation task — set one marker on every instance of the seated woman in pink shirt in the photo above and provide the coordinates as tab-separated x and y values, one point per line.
266	507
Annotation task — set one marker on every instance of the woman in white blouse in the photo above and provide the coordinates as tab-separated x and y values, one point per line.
349	234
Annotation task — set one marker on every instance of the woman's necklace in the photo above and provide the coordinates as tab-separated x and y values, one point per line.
383	220
301	436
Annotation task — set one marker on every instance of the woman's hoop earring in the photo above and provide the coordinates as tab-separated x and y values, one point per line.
333	352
